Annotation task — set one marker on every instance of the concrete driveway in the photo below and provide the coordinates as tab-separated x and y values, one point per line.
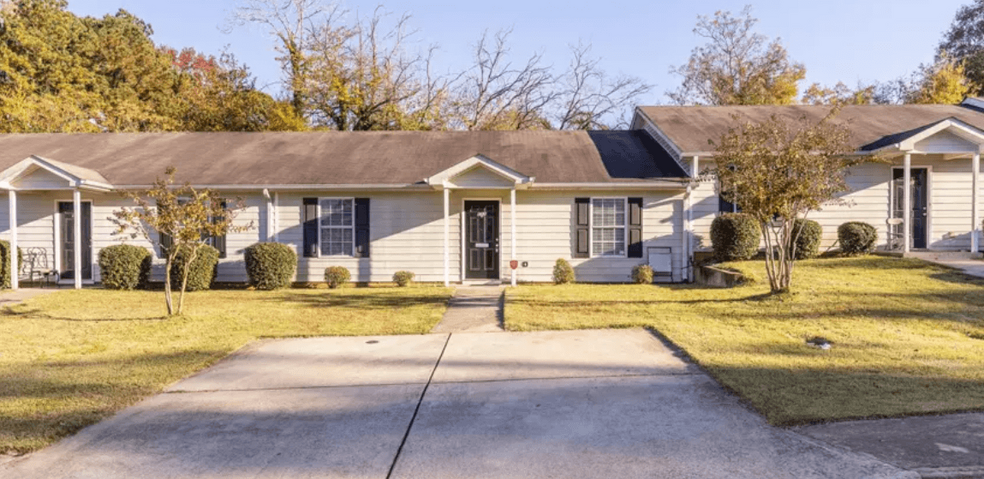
613	403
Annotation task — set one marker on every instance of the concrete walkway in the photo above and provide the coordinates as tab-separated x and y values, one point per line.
23	294
948	446
473	309
612	403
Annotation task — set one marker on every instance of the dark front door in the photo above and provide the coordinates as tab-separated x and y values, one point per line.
66	226
482	240
919	185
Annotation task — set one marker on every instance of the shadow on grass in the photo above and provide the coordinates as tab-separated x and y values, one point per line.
80	393
367	299
37	313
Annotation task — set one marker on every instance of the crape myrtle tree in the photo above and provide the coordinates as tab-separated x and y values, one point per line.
779	170
187	216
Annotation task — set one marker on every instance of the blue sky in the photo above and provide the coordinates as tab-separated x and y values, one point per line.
837	40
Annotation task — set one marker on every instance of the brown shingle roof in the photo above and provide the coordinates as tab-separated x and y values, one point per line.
690	127
322	158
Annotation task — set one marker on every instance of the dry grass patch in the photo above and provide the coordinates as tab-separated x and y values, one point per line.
72	358
906	335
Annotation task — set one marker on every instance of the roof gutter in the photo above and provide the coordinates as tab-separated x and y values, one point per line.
666	183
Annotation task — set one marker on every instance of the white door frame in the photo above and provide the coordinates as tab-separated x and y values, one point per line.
56	216
463	233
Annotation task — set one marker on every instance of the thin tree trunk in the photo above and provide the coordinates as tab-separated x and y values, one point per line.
167	286
184	279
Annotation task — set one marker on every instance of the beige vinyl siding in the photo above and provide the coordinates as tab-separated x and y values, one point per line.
869	200
545	231
406	233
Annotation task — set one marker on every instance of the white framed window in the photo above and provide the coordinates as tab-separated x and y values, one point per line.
608	227
336	226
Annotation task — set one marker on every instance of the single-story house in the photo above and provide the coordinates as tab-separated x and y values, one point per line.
933	148
458	207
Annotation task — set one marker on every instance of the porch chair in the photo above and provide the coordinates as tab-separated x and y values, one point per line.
36	264
894	237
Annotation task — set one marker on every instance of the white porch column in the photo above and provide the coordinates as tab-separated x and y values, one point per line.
276	217
512	234
77	236
907	203
447	237
974	217
14	266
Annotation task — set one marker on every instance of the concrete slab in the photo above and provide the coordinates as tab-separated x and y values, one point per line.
557	354
321	362
298	433
473	309
23	294
923	442
632	427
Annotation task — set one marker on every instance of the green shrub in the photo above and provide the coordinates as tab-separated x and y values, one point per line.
808	234
336	276
124	266
735	237
201	272
563	272
5	263
857	238
642	274
270	265
403	278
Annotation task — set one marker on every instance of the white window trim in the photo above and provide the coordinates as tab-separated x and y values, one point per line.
625	227
320	227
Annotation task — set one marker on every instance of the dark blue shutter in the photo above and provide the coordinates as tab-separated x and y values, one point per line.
362	227
310	216
219	242
165	242
582	222
635	228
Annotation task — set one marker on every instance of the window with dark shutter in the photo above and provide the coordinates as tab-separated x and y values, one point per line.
635	228
219	242
582	225
310	216
362	227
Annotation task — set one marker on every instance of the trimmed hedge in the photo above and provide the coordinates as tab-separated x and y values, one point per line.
270	265
124	266
857	238
808	240
336	276
403	278
201	272
735	237
5	263
642	274
563	272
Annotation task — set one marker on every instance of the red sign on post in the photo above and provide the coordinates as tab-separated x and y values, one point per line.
513	264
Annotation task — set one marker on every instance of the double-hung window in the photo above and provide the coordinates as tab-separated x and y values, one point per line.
337	226
608	227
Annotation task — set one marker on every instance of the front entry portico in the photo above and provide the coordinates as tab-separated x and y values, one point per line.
481	224
944	144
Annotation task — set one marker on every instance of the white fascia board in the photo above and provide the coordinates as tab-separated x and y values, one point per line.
481	162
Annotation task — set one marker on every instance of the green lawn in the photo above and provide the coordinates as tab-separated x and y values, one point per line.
72	358
908	337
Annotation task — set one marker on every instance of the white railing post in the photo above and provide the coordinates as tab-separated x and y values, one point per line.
512	236
907	203
974	216
14	265
77	235
447	237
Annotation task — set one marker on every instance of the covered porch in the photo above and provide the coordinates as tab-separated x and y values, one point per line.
71	256
480	183
934	192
